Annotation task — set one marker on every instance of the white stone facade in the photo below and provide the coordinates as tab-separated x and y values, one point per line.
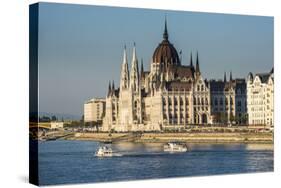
260	97
169	96
56	125
172	96
94	110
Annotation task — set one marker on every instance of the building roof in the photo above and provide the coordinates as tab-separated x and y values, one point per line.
93	100
221	86
165	52
184	71
178	85
216	86
263	77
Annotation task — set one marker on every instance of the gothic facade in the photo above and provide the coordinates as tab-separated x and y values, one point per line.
169	96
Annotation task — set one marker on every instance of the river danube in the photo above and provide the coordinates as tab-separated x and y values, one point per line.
68	162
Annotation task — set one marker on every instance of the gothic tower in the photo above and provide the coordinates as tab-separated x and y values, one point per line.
134	76
124	80
197	68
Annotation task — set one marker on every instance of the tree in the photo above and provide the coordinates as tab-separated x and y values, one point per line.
244	118
54	118
44	119
238	119
224	118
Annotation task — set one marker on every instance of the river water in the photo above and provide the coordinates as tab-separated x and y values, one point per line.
69	162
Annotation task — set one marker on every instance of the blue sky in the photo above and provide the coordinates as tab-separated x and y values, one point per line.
81	47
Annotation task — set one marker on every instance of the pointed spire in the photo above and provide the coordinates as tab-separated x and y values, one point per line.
113	87
230	76
272	71
180	56
125	60
197	64
134	76
142	71
191	61
134	53
109	90
165	34
224	79
124	80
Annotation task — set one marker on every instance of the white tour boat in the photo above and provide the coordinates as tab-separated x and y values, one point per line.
104	151
175	147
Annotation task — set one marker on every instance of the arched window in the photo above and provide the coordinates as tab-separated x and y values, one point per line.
216	101
206	101
202	101
202	87
198	101
181	101
198	88
175	101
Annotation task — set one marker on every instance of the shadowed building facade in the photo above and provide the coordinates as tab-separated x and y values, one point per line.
229	100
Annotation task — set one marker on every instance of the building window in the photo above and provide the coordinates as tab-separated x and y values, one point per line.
181	101
239	103
221	102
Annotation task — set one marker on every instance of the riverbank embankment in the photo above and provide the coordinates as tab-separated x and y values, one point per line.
183	137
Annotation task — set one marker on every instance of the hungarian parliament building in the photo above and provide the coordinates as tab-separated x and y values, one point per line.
174	96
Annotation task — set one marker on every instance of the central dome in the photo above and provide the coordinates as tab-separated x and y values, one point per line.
165	52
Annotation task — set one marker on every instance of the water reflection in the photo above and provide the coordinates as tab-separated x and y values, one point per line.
259	146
